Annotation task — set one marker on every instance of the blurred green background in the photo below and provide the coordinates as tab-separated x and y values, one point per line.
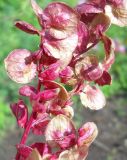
12	38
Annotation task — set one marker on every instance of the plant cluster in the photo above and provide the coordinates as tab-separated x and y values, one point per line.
66	36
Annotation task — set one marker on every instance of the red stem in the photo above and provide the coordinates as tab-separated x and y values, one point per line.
25	134
28	126
39	85
27	130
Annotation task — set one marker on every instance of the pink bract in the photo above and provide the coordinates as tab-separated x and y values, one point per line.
17	67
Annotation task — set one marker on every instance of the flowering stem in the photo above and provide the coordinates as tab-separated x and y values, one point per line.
39	85
27	130
25	134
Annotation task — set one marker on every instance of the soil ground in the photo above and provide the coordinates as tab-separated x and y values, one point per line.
111	143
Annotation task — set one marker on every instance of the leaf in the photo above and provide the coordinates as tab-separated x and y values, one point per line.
101	20
27	90
17	67
92	98
24	150
26	27
98	26
51	73
115	3
87	134
83	34
63	94
88	8
43	148
36	8
66	75
39	125
105	79
21	113
48	94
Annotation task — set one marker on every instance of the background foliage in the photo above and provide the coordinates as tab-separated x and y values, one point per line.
11	38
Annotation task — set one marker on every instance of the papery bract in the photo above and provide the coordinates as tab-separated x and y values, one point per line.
34	155
60	132
68	111
87	134
88	68
61	37
61	49
88	11
92	98
116	3
109	52
61	19
17	67
56	110
74	153
109	47
117	13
